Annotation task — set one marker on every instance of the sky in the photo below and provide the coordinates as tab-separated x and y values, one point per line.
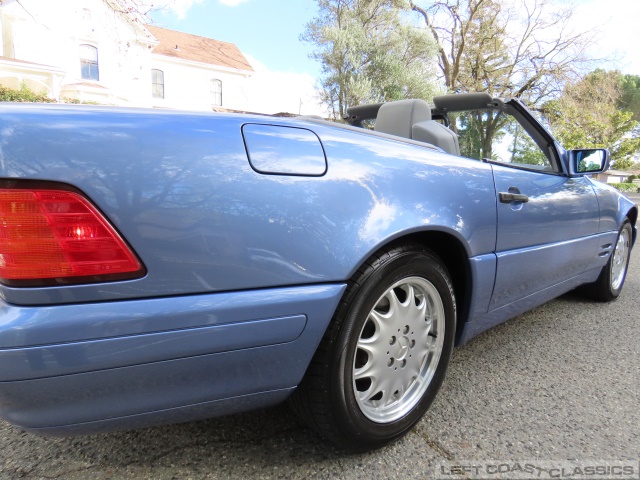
268	34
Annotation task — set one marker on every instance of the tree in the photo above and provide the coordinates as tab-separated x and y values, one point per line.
369	53
519	48
522	49
630	95
523	149
630	101
587	115
144	8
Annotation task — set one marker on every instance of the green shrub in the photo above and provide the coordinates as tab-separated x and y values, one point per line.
626	187
75	101
25	94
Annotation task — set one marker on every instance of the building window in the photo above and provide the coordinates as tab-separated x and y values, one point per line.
89	62
216	92
157	83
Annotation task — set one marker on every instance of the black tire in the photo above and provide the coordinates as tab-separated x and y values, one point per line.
332	400
611	280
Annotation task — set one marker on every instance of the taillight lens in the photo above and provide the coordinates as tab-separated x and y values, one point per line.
57	235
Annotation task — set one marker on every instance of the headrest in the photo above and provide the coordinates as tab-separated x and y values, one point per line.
398	118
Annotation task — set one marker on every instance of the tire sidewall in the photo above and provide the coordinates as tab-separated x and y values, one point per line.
352	421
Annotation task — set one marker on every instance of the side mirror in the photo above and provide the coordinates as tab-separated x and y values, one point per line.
588	161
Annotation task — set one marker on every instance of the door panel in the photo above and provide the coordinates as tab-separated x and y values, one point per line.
545	240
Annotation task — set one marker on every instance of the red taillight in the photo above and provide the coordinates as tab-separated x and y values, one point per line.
58	234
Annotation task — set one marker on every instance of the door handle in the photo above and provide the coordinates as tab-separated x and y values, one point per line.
508	197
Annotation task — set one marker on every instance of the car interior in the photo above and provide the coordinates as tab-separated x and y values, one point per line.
417	122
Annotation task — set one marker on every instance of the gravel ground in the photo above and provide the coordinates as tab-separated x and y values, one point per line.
560	382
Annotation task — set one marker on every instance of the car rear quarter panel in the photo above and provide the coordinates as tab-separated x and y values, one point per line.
180	189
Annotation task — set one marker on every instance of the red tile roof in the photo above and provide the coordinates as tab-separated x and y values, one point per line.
198	49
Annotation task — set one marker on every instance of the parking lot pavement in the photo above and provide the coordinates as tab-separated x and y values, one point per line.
560	382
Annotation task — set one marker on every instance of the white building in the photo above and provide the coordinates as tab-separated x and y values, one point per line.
103	51
614	176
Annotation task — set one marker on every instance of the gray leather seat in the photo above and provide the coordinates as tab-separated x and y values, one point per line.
412	119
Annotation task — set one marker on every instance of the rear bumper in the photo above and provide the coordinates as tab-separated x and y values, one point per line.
94	367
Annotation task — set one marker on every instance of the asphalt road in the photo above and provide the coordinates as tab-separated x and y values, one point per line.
560	382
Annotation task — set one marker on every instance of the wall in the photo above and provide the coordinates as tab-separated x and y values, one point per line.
188	85
49	33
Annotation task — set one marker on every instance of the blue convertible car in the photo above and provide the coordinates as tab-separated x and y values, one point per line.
159	267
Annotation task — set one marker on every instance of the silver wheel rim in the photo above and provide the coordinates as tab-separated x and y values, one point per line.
398	350
619	261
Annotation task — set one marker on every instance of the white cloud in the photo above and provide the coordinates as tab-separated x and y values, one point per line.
232	3
180	7
274	92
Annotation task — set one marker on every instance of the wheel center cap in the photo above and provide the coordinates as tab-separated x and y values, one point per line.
403	348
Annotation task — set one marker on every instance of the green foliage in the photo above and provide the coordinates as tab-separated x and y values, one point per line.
75	101
478	132
584	167
466	126
630	95
528	153
625	187
369	53
25	94
523	149
586	115
497	136
623	164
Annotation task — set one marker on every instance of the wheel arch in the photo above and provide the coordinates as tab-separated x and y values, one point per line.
632	215
325	397
454	255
